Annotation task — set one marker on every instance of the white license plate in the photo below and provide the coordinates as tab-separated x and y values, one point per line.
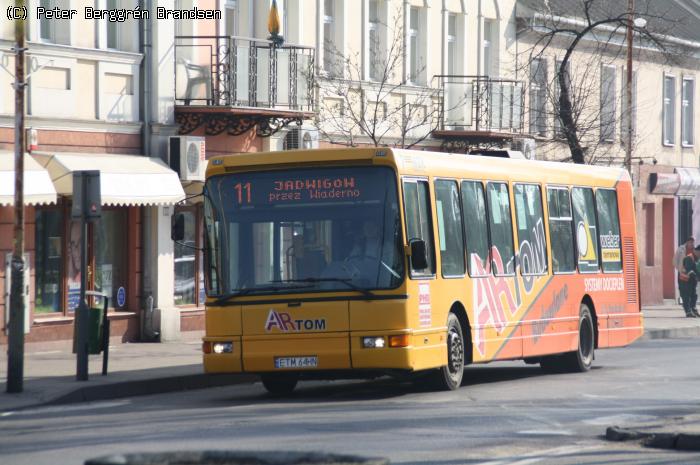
296	362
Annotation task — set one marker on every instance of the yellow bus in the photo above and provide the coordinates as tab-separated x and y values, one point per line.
355	262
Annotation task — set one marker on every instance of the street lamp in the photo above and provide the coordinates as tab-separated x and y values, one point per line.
639	23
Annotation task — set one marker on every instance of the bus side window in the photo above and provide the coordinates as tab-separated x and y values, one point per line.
531	237
501	225
476	230
418	220
560	230
449	219
586	228
608	217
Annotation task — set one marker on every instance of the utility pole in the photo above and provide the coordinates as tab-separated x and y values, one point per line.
629	138
15	349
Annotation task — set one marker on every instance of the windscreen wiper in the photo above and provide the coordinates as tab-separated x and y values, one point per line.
226	297
347	281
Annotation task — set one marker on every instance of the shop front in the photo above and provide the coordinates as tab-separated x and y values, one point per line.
129	184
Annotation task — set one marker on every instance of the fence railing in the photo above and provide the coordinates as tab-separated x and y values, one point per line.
232	71
480	103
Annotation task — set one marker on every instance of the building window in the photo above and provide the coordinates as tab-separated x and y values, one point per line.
187	261
231	17
112	27
330	48
687	108
685	219
538	97
110	246
377	41
490	47
416	38
48	261
669	116
607	103
451	43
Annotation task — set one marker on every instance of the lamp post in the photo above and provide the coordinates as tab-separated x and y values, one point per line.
630	75
15	346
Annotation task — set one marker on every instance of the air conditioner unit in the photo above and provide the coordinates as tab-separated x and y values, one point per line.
187	157
525	145
305	137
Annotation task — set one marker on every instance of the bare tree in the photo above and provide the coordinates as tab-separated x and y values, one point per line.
581	96
385	109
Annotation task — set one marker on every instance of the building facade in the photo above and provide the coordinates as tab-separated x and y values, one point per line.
132	98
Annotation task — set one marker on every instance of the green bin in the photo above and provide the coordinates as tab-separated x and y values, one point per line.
95	331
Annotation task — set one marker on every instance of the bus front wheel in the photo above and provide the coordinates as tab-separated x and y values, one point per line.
449	377
279	384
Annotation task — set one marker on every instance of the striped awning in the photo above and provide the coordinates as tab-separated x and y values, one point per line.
38	188
127	180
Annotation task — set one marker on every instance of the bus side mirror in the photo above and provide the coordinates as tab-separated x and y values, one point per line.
419	256
177	228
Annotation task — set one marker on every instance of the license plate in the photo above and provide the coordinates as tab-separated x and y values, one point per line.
310	361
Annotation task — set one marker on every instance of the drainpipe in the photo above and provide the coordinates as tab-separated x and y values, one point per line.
146	41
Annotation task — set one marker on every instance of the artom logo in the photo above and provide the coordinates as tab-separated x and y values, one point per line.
283	321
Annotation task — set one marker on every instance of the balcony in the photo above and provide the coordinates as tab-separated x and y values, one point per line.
478	110
235	84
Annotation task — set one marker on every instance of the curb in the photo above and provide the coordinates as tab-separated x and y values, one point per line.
673	441
671	333
151	386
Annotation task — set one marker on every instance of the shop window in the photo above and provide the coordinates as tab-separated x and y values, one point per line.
48	261
110	246
186	261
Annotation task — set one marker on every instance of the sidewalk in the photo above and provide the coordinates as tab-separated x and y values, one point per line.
151	368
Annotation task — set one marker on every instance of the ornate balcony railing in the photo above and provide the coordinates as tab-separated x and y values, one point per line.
234	84
479	107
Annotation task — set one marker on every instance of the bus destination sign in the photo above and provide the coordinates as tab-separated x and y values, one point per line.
299	189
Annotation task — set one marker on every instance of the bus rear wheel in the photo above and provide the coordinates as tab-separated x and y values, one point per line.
280	384
581	359
449	377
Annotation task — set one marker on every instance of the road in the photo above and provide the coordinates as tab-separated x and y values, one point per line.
504	414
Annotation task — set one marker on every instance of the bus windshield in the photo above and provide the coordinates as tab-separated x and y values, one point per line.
303	230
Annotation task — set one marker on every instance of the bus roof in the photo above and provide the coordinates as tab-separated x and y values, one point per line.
424	163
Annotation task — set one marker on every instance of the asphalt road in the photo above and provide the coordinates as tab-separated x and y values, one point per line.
504	414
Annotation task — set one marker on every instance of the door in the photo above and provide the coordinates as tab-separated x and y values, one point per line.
667	249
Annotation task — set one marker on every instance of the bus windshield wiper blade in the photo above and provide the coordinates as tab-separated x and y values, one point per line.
248	290
347	281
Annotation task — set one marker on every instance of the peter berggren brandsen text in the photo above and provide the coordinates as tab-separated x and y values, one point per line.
119	15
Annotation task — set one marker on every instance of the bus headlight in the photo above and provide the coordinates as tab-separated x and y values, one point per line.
223	347
373	342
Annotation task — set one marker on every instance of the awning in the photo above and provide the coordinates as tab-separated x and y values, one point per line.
127	180
38	188
689	181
